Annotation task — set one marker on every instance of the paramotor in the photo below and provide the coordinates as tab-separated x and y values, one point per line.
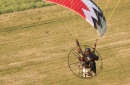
76	66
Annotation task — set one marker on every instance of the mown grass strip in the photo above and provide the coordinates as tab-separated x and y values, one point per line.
7	6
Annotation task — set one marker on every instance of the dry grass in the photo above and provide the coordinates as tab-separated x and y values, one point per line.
35	44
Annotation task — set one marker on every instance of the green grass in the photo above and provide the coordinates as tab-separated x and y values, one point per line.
7	6
34	46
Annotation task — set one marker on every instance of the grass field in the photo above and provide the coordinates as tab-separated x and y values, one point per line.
34	46
7	6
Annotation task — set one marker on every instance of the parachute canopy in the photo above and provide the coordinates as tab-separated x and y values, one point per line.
88	10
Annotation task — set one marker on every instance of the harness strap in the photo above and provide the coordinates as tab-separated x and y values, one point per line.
95	44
